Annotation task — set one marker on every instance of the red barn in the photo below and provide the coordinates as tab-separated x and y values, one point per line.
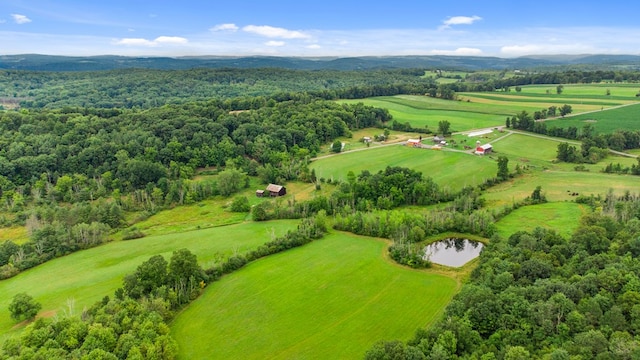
483	149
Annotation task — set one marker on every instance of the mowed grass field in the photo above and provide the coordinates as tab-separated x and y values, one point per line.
87	276
452	169
331	299
563	217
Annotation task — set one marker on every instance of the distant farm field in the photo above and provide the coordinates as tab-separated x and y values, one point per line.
421	111
447	168
89	275
333	298
604	122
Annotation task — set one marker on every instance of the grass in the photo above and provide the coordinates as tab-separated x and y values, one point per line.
17	234
621	118
205	214
333	298
559	185
87	276
446	167
564	217
584	90
527	150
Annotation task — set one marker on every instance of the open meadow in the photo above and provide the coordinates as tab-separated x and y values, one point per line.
87	276
333	298
563	217
449	169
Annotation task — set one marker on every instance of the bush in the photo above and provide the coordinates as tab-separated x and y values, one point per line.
259	212
240	204
132	233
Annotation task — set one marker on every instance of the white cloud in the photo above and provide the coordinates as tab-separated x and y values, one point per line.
275	32
463	51
20	19
274	43
225	27
171	40
459	20
314	46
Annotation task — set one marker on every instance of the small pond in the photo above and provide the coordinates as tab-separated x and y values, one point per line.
453	252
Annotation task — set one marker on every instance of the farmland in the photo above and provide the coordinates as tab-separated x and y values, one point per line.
292	304
338	285
92	274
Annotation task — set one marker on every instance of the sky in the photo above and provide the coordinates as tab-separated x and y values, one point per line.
318	28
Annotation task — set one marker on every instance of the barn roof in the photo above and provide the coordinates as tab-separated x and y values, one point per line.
274	188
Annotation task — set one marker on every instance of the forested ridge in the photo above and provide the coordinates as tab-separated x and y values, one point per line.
146	88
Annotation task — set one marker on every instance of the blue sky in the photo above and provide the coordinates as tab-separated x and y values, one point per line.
318	28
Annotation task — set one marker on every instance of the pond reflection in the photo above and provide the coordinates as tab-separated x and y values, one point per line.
453	252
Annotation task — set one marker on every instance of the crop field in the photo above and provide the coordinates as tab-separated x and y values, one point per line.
482	110
620	118
332	298
583	91
453	169
87	276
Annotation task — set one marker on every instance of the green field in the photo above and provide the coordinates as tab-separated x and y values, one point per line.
604	122
453	169
482	110
332	298
558	185
421	111
585	91
527	150
563	217
89	275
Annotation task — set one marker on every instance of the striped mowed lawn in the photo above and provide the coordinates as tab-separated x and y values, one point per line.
333	298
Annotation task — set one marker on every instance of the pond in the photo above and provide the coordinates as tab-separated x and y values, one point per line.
453	252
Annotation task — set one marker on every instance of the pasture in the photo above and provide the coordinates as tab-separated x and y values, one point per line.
89	275
332	298
453	169
563	217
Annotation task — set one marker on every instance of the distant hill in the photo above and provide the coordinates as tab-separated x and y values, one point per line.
92	63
